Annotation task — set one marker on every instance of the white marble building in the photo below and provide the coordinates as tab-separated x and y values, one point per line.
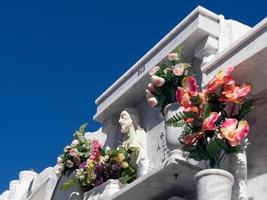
212	43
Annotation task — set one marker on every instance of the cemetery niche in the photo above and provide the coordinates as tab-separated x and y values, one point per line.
176	125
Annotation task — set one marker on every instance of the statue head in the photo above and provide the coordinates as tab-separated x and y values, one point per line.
129	118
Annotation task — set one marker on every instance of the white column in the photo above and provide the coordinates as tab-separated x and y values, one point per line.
238	167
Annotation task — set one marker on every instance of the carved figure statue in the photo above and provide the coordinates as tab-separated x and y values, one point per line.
135	136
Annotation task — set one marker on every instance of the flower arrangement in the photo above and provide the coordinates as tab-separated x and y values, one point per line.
76	153
165	79
213	120
104	165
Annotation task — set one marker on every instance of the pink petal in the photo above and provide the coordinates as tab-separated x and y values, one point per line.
178	69
179	94
151	87
190	84
229	125
152	101
242	129
244	90
154	70
157	81
209	123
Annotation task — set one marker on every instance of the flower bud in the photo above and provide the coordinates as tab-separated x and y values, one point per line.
157	81
151	87
154	70
152	101
173	56
74	143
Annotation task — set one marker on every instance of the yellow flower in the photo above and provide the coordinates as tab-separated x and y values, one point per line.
119	157
124	164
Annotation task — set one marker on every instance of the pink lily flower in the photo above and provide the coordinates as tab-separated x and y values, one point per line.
178	69
234	131
189	88
209	122
219	79
235	93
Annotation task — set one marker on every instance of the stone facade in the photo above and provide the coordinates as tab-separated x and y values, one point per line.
211	43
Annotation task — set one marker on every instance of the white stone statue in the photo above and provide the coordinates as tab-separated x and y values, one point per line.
135	136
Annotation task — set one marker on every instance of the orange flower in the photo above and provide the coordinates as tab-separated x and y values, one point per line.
234	131
219	79
235	93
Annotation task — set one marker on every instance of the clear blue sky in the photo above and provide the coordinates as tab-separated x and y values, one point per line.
57	57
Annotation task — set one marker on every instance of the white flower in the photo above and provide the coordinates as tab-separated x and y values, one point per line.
67	148
157	81
154	70
178	69
58	173
74	152
69	164
59	160
81	177
60	168
74	143
173	56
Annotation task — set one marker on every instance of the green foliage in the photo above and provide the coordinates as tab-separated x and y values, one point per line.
68	184
196	100
206	110
176	120
246	107
212	148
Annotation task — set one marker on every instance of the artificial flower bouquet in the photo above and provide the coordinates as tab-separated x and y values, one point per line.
76	153
102	166
165	79
213	120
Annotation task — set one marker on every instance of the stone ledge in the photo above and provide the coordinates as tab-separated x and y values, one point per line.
173	178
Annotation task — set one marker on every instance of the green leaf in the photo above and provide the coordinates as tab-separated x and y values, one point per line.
223	144
176	120
206	110
236	149
190	148
213	148
198	155
68	184
246	107
190	114
196	100
83	127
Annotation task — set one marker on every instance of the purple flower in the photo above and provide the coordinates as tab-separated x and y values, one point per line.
83	165
99	168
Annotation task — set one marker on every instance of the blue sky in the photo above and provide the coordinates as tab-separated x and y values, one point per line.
57	57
